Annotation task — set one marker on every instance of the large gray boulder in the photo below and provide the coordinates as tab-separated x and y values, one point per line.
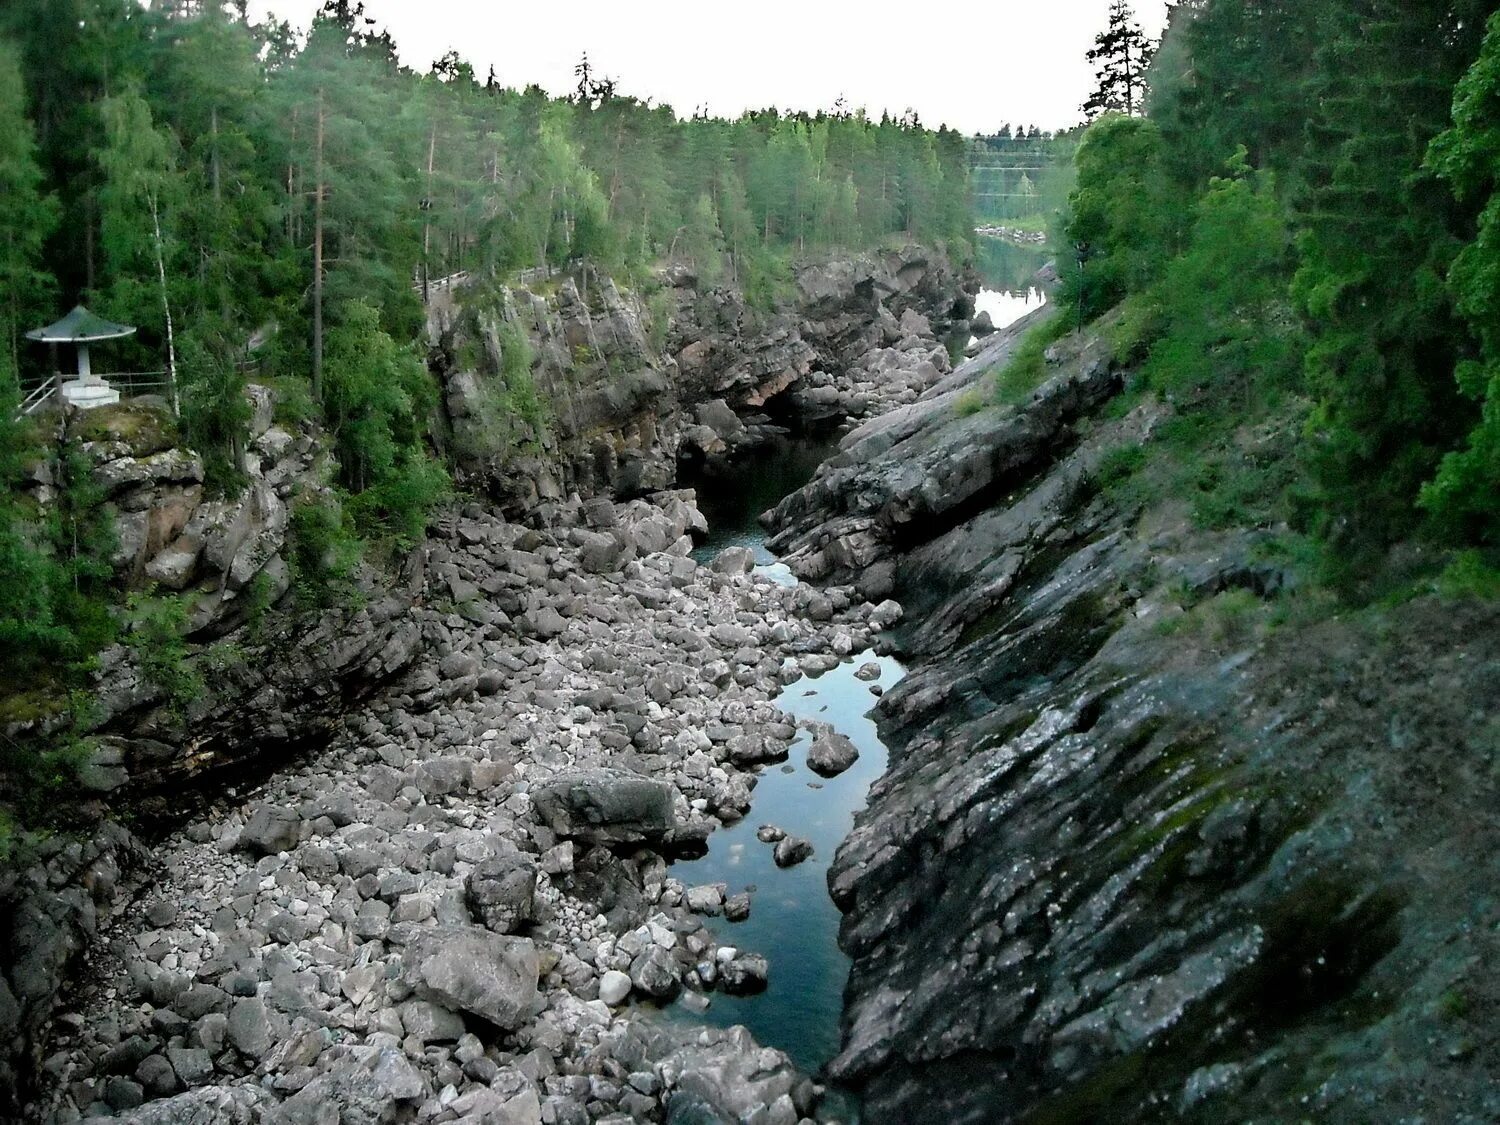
467	969
606	806
271	829
209	1105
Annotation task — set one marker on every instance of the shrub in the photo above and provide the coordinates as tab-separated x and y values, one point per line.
156	636
324	554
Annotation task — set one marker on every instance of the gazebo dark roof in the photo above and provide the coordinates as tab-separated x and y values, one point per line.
80	327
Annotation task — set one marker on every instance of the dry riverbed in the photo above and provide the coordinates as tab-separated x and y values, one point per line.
461	910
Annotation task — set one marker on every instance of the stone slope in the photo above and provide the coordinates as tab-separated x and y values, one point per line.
458	906
1132	862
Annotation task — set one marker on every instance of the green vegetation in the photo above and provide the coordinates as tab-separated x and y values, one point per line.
216	181
511	413
157	628
1300	236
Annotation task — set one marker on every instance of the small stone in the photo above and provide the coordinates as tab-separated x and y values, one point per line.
614	986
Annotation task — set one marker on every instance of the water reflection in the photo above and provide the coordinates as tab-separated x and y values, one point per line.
1007	307
1009	272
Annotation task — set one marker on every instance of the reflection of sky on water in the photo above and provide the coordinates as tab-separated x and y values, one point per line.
792	920
1007	307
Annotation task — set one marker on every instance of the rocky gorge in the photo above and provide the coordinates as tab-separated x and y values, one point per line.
1153	843
516	726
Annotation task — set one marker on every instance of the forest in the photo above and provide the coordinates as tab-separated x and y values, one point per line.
222	184
1294	229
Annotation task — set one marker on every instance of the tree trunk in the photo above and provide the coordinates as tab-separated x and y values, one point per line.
218	177
291	188
166	307
317	372
427	215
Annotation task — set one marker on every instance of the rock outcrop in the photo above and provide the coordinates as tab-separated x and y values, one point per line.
633	387
1142	852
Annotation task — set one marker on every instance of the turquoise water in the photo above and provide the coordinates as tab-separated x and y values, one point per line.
792	922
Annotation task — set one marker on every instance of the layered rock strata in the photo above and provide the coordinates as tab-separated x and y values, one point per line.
1147	848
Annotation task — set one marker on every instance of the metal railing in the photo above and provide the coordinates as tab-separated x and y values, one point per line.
440	284
130	384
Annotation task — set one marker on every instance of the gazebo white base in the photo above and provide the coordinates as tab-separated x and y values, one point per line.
86	394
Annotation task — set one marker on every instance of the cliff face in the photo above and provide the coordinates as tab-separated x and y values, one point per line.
634	384
628	395
223	563
1149	846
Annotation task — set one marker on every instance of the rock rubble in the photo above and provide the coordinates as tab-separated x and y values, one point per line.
453	913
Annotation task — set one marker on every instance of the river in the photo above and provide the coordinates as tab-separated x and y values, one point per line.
793	921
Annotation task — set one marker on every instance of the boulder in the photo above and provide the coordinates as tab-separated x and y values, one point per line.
606	806
653	973
429	1022
468	969
733	560
501	892
831	754
603	552
791	851
745	975
209	1105
271	829
251	1028
614	987
706	899
718	417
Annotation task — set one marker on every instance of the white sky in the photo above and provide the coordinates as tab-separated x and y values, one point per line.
971	64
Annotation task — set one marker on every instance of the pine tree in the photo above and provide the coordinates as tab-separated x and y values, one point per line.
142	189
1378	243
27	216
1122	53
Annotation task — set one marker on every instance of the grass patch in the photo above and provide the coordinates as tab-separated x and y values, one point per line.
972	401
1470	576
1027	368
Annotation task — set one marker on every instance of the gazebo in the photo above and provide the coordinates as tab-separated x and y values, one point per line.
82	328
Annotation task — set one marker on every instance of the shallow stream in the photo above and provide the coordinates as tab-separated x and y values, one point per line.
793	921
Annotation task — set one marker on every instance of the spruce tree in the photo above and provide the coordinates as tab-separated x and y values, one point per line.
1121	53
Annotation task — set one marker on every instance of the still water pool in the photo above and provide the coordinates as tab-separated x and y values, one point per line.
792	922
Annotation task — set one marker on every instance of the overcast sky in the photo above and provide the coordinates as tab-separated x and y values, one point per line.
972	65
